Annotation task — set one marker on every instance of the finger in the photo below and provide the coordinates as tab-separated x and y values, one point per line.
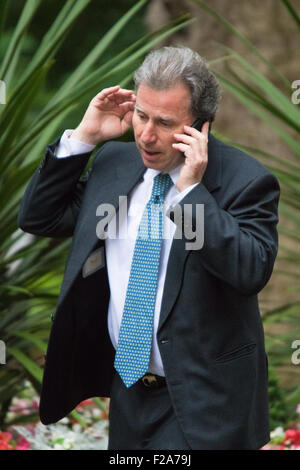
205	131
199	135
107	91
111	92
181	147
126	122
127	106
185	138
121	92
126	91
192	131
121	96
205	128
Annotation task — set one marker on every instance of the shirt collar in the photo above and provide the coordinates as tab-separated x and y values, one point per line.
150	173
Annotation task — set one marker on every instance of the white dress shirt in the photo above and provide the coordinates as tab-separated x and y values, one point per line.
119	250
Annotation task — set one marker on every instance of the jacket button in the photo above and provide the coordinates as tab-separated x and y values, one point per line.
164	341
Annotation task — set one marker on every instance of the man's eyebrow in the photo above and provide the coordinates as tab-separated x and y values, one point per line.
139	109
157	118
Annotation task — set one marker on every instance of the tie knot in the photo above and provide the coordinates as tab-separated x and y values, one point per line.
161	185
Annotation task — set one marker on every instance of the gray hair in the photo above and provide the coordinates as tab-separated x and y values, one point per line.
164	68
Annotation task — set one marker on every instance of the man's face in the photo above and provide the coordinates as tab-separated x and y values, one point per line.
158	115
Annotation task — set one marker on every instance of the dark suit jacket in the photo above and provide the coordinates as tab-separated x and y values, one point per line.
210	332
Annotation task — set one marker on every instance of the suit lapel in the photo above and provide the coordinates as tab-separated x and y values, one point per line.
213	174
178	254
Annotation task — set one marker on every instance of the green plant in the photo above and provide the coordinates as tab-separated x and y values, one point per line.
280	413
31	268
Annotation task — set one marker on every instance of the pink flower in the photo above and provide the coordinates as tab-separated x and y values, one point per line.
5	438
35	404
273	447
22	444
292	436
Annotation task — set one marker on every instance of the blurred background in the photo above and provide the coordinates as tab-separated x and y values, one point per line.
54	57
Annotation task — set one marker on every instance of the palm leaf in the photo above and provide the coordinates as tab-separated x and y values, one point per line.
292	11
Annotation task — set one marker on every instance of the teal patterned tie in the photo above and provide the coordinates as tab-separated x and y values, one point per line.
135	337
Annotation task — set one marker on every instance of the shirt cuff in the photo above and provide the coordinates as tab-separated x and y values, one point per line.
68	146
178	197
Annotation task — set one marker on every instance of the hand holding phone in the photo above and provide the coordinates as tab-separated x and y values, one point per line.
193	145
197	124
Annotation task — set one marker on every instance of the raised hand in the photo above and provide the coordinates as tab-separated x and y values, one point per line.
194	146
109	115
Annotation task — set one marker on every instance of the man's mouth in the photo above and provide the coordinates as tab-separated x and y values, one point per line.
150	154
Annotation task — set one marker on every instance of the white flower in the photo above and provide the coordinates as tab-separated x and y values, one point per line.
59	437
64	421
278	432
76	427
96	412
68	444
57	434
58	447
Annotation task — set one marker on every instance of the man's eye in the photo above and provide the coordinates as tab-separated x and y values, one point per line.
165	124
141	116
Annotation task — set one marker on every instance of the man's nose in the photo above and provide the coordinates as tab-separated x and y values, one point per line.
148	135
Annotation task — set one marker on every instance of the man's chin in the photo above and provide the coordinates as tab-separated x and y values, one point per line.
152	160
158	164
152	164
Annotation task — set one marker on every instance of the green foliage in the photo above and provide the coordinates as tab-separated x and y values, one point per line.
280	412
31	268
278	408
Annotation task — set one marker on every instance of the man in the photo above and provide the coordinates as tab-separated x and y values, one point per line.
170	330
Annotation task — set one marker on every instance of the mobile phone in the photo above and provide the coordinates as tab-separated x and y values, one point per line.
198	123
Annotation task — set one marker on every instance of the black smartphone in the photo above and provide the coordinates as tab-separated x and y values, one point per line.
198	123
